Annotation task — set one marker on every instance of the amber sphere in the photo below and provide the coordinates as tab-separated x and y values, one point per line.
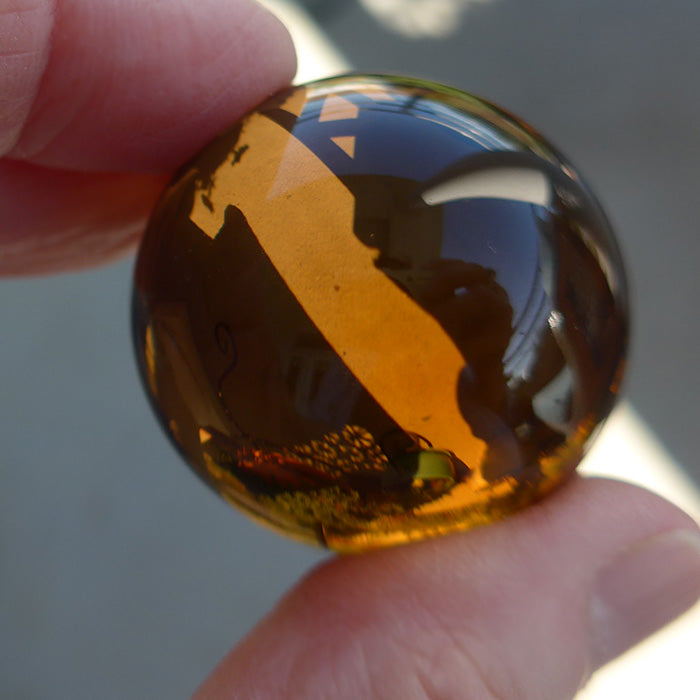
377	310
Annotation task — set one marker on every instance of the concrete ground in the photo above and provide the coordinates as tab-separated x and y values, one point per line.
120	575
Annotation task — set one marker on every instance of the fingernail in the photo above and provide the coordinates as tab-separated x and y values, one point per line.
643	589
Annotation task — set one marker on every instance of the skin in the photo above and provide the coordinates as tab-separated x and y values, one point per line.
95	136
510	610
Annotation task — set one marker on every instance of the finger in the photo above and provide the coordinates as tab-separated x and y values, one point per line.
25	29
56	220
523	609
125	86
116	87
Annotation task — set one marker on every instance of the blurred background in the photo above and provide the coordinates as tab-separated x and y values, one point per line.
120	575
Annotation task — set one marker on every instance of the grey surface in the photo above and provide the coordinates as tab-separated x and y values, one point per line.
120	575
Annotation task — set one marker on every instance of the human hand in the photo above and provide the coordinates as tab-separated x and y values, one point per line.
527	608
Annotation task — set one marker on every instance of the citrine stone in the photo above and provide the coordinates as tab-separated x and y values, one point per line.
378	310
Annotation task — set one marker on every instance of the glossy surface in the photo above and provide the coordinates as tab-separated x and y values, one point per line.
379	310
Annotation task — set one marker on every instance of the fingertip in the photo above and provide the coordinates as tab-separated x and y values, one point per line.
644	588
143	86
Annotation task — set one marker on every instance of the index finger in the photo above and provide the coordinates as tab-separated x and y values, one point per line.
139	86
101	101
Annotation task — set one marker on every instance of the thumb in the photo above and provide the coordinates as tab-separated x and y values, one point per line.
527	608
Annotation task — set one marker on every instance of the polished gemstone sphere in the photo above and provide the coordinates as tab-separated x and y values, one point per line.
378	310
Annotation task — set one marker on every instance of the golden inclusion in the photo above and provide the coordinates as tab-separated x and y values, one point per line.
378	310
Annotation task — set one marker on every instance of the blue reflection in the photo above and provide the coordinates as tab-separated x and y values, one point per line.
414	138
499	235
